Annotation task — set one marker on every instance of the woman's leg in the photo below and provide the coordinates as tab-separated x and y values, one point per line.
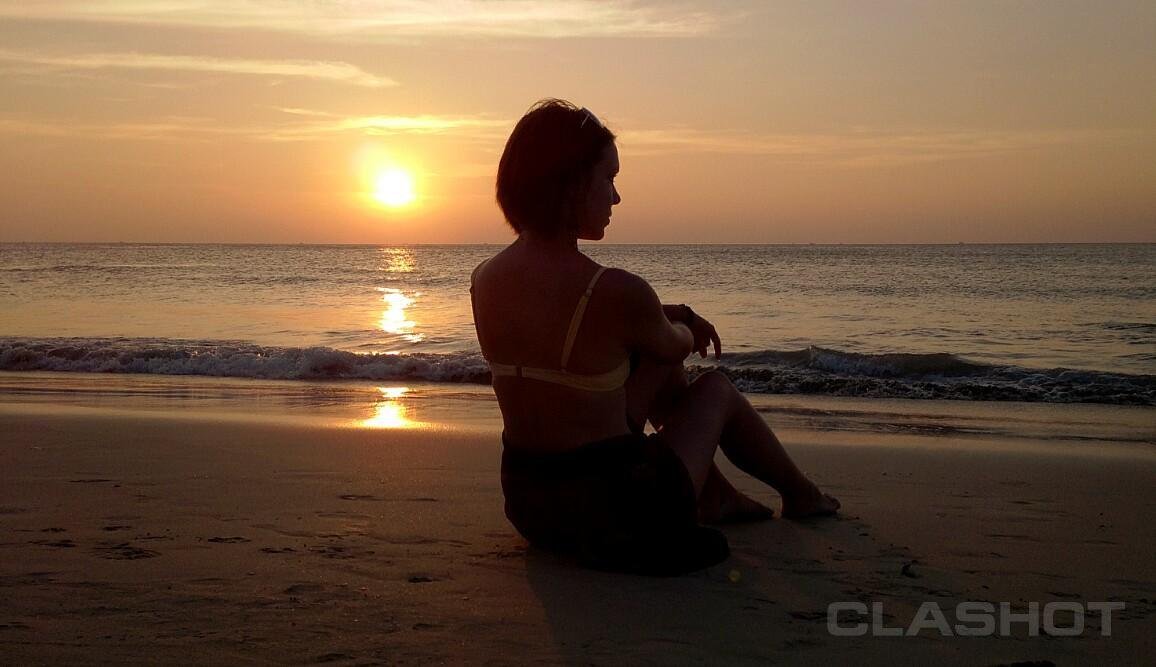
652	392
720	502
711	410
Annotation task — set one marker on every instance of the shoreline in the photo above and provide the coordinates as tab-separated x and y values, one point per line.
199	524
358	403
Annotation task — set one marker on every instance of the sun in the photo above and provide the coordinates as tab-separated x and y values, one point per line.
394	188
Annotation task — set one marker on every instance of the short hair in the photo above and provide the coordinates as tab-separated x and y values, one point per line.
547	164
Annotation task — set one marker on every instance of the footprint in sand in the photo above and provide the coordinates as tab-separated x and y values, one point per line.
124	551
275	550
1013	536
58	544
372	498
501	554
342	515
331	657
339	552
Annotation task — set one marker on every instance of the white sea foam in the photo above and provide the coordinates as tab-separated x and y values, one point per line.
810	371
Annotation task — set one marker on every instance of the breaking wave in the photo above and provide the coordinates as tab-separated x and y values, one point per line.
814	370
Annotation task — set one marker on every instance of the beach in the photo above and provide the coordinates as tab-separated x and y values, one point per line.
168	520
261	264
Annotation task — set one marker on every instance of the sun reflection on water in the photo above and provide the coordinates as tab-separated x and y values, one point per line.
390	412
394	319
397	260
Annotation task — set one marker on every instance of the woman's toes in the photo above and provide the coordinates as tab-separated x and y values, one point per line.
813	504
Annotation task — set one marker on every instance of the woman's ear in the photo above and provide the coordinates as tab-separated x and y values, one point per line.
574	207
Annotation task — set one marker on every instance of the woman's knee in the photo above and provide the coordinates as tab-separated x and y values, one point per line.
715	381
715	386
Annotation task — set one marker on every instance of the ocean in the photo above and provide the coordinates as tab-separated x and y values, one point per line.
1044	323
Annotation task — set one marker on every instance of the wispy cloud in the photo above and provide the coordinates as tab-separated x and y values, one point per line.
861	148
170	128
319	125
322	124
311	69
850	149
420	124
392	18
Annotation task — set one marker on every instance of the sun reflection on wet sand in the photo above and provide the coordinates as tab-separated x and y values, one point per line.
390	412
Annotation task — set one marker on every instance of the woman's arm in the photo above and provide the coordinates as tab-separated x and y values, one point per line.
646	327
703	331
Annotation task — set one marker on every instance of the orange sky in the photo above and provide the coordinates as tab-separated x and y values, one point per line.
745	122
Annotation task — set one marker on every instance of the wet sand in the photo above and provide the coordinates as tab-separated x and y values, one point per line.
138	529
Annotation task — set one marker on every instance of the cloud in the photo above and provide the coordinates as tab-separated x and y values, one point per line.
311	69
391	18
165	129
860	148
318	125
324	124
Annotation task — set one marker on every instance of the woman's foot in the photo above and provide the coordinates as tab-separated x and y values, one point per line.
810	502
732	507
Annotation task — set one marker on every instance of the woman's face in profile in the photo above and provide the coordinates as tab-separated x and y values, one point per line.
601	196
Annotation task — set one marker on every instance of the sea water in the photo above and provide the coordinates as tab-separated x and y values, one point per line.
1055	323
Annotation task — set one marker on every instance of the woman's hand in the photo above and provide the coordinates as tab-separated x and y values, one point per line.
703	331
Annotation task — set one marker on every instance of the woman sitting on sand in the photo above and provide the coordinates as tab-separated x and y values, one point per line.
583	355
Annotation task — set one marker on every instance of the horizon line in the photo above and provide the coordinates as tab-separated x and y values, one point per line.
588	244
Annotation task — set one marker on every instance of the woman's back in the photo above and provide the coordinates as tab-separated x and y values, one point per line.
524	303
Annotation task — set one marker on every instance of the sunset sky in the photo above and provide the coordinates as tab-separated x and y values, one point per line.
739	122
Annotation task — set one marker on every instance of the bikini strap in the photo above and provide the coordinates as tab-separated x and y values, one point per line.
576	320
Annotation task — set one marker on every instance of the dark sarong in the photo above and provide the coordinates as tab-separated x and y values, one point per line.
625	504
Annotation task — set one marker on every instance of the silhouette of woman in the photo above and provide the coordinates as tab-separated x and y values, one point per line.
582	356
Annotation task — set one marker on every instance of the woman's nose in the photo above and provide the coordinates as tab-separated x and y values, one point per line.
617	197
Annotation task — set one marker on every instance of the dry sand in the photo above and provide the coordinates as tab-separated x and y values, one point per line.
134	536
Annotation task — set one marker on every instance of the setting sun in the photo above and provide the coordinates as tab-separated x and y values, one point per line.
393	188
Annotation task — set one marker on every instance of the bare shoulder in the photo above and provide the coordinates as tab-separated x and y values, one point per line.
478	269
622	280
483	271
643	325
627	288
